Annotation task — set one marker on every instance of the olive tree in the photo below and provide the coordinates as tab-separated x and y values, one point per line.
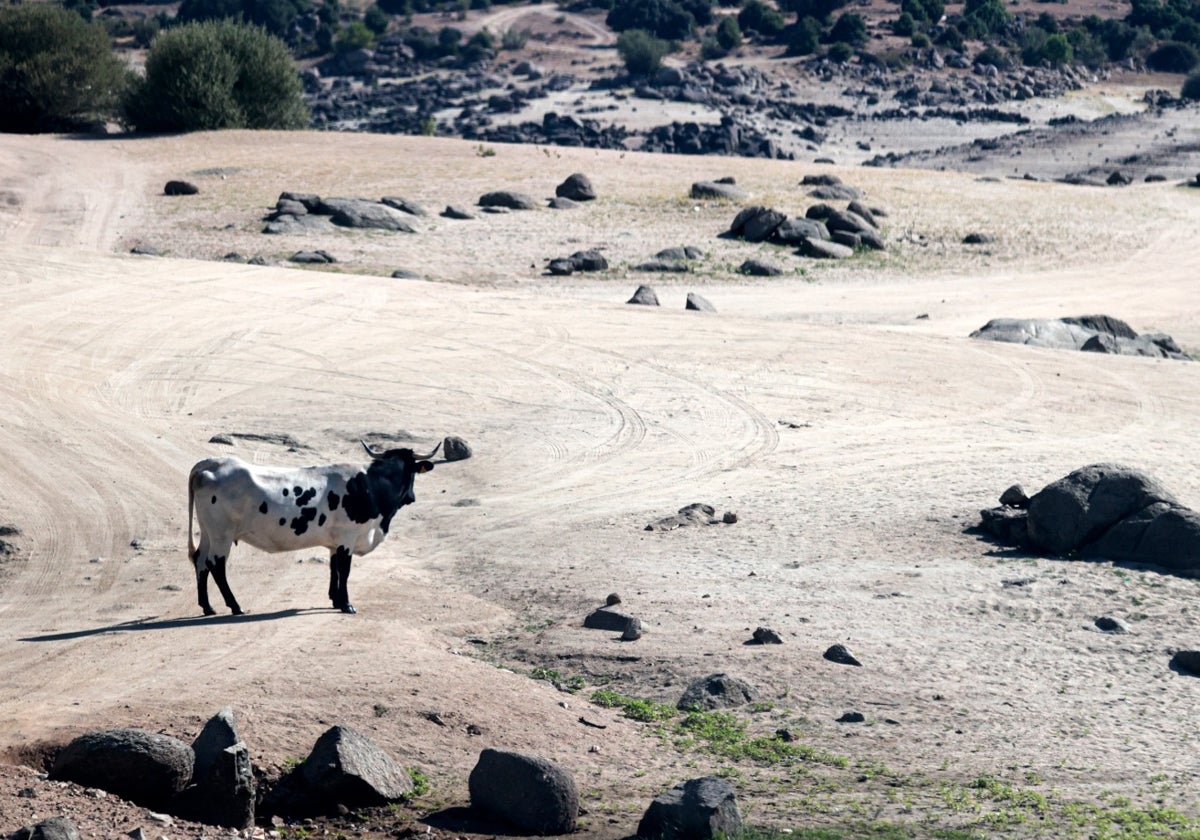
57	71
203	76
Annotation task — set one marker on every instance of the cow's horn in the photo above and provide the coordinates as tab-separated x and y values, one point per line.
370	451
431	454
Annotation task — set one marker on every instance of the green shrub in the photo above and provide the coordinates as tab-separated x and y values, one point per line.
729	34
804	37
1191	87
641	51
850	28
921	41
278	17
905	25
1173	57
841	52
376	19
514	39
661	18
926	11
204	76
993	55
1057	50
353	36
757	16
57	71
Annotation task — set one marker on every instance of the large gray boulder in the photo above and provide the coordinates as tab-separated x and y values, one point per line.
577	187
716	691
348	768
1093	333
364	213
55	828
1163	535
798	231
218	734
1081	507
698	809
527	791
507	198
143	767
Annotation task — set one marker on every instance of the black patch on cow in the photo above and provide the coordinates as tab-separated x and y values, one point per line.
383	489
300	523
334	499
262	508
282	521
285	491
304	498
297	490
321	521
214	501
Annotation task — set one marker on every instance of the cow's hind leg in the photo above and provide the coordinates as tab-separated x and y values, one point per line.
202	561
218	573
339	575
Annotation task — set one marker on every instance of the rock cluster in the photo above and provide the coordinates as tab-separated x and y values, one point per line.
1091	333
1103	512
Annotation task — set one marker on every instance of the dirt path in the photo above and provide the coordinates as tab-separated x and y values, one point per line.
853	440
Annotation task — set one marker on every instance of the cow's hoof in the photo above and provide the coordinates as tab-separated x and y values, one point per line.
238	611
349	609
209	611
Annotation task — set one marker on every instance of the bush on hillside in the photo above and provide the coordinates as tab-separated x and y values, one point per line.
57	71
849	28
276	16
204	76
757	16
1191	87
1173	57
641	51
804	37
729	34
665	19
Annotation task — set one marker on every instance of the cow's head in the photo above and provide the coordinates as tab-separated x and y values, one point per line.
419	463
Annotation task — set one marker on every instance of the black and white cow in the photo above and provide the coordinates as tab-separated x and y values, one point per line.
345	508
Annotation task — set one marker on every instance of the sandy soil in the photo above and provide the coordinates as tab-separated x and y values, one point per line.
854	440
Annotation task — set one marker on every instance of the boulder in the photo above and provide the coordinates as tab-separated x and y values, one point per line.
698	809
312	258
1014	497
633	630
225	794
404	205
978	238
1007	524
509	199
760	226
607	618
738	226
560	203
713	189
716	691
591	260
841	654
347	768
310	201
1108	624
1163	535
819	249
836	192
1081	507
1187	661
454	212
577	187
766	636
143	767
561	267
180	188
289	224
697	303
680	253
55	828
361	213
663	267
759	267
455	448
644	296
218	734
796	232
527	791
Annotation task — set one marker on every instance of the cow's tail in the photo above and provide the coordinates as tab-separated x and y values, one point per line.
192	478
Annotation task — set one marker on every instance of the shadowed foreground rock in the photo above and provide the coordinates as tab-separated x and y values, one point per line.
694	810
1106	512
143	767
526	791
347	768
55	828
223	788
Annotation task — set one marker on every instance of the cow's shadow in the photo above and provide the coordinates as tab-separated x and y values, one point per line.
154	623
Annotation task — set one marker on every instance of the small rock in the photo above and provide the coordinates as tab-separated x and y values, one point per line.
852	717
633	630
840	654
55	828
698	303
312	257
560	203
766	636
224	440
607	618
699	809
644	296
729	517
1014	497
1111	625
612	600
180	188
453	211
1187	661
758	267
716	691
455	449
978	239
577	187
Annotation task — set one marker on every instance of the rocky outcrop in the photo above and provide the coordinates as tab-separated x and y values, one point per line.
143	767
698	809
1092	333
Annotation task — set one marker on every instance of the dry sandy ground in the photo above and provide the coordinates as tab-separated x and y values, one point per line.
854	441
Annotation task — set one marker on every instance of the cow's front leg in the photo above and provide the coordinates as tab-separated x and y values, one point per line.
339	575
202	589
218	573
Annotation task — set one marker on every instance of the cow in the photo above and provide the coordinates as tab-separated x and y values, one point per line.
345	508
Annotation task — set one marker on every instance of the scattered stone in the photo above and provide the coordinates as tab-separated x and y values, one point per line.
1108	624
976	238
180	188
527	791
509	199
822	250
612	600
698	303
729	518
680	253
607	618
699	809
836	192
455	212
312	258
147	250
289	224
405	274
766	636
852	717
717	190
633	630
1118	179
347	768
560	203
55	828
840	654
824	179
759	267
220	733
1014	497
590	260
716	691
577	187
644	296
697	513
223	440
455	448
364	214
795	232
561	267
143	767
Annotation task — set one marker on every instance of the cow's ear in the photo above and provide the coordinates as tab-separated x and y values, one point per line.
424	466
